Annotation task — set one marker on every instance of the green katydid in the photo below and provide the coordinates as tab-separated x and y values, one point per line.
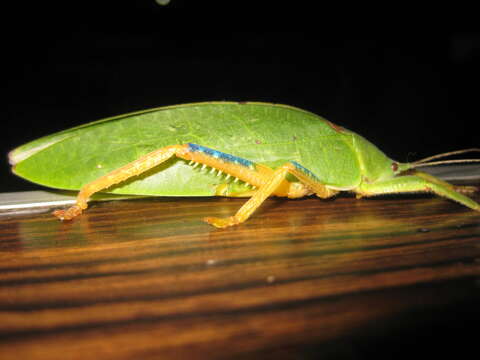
249	149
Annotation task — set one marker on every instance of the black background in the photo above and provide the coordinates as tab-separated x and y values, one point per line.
412	94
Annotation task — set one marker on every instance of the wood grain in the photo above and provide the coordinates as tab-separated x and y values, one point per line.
309	278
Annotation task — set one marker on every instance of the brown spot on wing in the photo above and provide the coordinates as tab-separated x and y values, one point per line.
335	127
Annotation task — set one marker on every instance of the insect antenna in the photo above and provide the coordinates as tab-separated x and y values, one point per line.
428	160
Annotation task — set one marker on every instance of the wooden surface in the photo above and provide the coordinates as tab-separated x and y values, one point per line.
304	279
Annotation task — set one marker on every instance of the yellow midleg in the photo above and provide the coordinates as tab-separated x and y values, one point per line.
318	188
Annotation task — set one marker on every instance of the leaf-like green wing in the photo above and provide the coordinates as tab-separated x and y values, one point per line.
263	133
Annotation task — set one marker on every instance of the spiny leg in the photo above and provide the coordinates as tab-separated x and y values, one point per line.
309	184
416	181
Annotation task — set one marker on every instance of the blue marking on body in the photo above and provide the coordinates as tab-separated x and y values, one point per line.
305	171
220	155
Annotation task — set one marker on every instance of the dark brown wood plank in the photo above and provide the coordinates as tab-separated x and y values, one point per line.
147	279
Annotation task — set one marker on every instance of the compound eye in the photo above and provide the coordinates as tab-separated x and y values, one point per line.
394	167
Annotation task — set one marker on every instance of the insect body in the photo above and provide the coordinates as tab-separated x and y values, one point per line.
253	150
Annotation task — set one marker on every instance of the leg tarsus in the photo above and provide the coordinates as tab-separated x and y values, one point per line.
68	214
221	222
